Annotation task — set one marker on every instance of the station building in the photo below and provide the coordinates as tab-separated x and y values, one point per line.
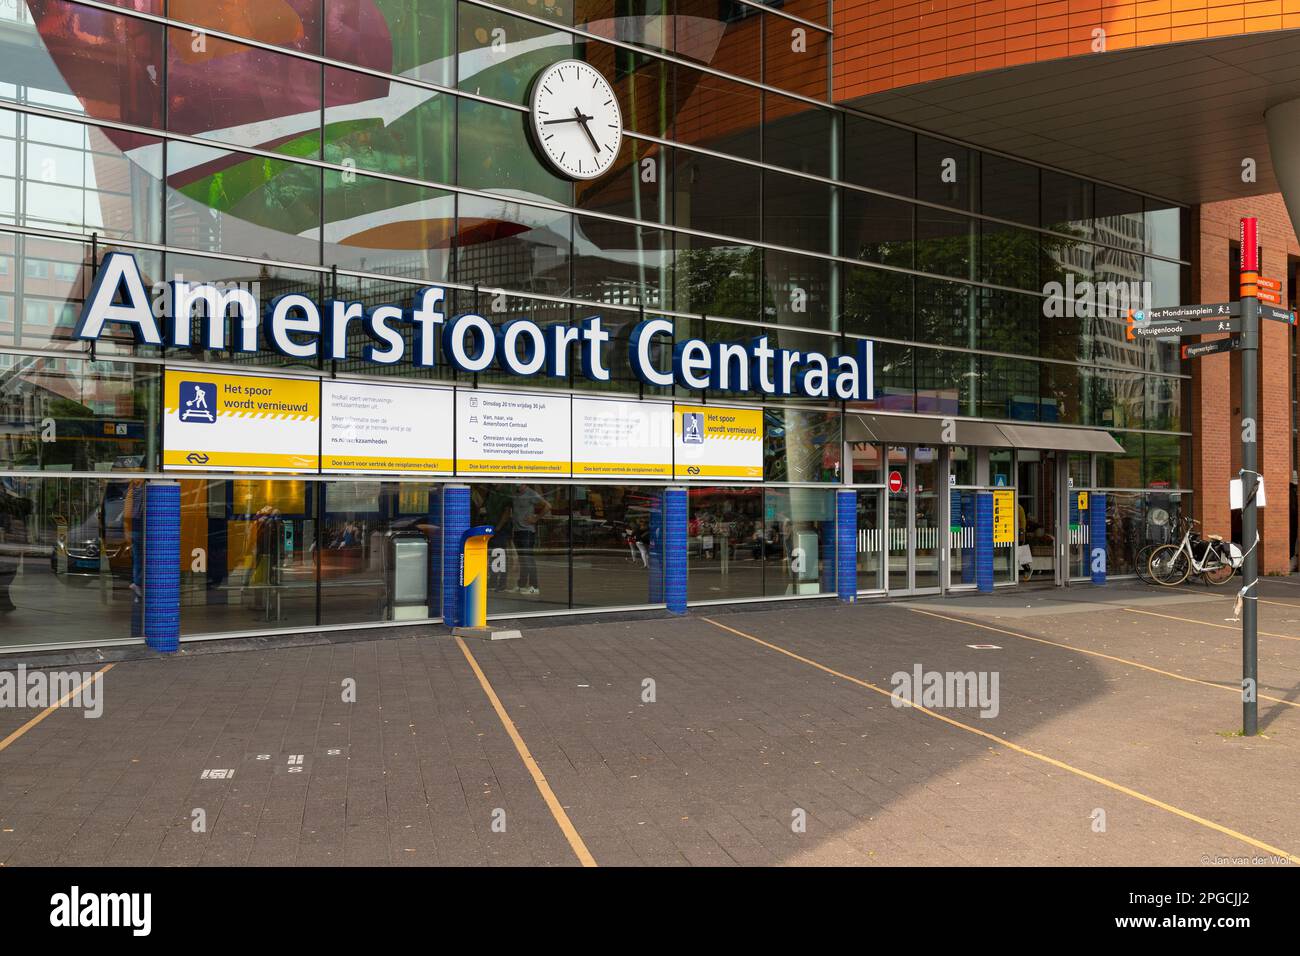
972	195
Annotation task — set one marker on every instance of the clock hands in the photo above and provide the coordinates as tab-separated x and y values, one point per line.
578	117
587	129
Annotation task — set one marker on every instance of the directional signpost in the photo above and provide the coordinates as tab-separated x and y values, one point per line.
1241	319
1249	473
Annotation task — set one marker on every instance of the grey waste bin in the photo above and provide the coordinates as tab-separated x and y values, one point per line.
408	576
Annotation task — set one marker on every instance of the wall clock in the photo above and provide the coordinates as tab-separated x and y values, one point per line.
576	123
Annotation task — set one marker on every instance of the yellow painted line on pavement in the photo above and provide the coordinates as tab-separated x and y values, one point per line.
53	707
548	795
1192	620
1025	751
1233	596
1234	690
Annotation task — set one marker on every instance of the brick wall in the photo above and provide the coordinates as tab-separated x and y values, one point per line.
1216	384
882	44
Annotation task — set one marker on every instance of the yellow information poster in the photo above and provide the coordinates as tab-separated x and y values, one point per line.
1004	517
710	441
232	422
1083	501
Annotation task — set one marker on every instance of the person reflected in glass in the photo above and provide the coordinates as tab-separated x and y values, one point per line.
527	508
133	518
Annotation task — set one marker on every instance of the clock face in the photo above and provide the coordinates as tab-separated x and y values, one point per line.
576	122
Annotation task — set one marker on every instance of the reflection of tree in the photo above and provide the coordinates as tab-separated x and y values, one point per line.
719	281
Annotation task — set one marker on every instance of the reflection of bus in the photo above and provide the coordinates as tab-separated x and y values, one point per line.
105	533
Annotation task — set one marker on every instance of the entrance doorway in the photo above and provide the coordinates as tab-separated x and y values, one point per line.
912	486
1037	496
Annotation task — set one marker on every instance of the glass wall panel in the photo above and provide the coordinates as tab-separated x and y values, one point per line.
945	243
1008	256
260	539
71	559
1009	388
362	525
795	58
798	537
1162	461
86	60
945	313
801	445
1135	520
45	284
796	289
716	113
723	34
1164	400
877	302
876	228
1066	204
715	278
223	201
251	96
879	156
726	542
531	544
946	382
1118	218
797	135
866	463
870	540
797	212
407	37
63	414
617	545
512	246
945	172
491	155
653	30
499	55
417	140
72	177
295	24
1122	470
1008	189
1009	322
716	195
622	264
1164	229
638	186
379	225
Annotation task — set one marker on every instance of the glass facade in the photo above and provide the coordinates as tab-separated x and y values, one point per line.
343	148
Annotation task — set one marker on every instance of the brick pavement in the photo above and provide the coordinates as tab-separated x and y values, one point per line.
738	741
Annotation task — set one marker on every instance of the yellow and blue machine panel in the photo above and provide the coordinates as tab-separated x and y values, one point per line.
474	575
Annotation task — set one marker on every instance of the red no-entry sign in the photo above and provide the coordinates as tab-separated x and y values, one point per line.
895	482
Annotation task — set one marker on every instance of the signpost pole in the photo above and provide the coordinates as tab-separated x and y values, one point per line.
1249	471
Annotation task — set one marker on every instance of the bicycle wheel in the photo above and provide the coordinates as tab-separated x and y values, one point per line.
1142	563
1169	565
1220	573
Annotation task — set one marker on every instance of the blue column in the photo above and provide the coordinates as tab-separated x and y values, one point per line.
846	544
984	541
656	562
1097	536
162	566
675	549
435	554
455	522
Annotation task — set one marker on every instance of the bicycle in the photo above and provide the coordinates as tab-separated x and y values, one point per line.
1214	559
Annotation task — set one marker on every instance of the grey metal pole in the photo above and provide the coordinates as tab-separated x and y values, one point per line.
1249	475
